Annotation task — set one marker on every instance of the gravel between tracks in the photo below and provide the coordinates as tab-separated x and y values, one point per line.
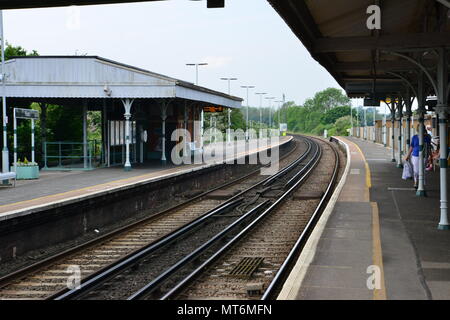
271	240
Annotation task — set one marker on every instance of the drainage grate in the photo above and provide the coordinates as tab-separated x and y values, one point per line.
246	267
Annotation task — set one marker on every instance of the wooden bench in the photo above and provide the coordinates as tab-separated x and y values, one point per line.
8	176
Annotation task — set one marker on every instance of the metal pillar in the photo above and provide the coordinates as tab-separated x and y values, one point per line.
33	158
186	119
408	115
400	127
374	125
127	103
421	192
357	122
5	151
229	126
365	125
384	128
85	134
202	123
393	128
351	121
163	131
15	139
442	110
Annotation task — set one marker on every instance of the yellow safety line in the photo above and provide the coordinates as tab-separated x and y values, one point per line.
377	257
161	173
378	294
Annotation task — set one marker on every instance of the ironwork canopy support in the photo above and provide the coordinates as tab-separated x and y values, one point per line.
421	98
442	111
127	104
400	125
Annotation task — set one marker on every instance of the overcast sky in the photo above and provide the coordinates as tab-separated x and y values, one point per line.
247	40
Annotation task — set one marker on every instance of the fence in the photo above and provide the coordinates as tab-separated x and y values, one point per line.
382	133
72	155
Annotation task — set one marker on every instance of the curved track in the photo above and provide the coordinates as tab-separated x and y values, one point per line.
45	278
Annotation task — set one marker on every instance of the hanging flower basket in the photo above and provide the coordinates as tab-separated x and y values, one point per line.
26	170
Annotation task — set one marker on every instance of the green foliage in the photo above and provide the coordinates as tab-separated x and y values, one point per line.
12	51
319	113
330	116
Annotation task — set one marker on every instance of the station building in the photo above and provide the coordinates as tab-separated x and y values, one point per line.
139	109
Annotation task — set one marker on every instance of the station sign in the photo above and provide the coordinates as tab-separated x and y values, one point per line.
213	109
368	102
26	113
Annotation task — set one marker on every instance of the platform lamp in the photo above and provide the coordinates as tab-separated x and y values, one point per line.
202	117
5	151
260	94
246	118
196	65
270	110
279	110
229	109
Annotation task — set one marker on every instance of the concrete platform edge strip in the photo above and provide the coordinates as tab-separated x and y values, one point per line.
295	279
49	205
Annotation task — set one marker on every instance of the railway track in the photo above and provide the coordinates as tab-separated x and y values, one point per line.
256	263
44	279
167	265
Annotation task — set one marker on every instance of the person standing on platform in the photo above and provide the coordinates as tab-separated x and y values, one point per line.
413	153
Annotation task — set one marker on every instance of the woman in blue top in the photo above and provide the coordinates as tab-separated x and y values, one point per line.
414	150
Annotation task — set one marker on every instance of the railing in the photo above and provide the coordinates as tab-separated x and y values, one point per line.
63	155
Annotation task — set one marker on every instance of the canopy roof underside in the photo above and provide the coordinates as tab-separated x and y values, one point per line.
366	62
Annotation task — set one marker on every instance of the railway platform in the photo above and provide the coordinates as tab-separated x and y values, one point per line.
56	188
377	239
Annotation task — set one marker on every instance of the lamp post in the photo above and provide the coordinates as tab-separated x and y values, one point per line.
260	94
5	152
270	110
279	111
351	121
202	118
246	118
196	69
229	109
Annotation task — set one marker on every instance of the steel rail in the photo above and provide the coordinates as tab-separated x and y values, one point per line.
7	279
184	282
157	282
304	236
110	271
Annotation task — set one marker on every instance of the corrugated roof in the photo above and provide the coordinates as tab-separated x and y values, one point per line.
86	76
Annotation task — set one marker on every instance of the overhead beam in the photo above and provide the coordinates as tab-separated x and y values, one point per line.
22	4
383	42
381	66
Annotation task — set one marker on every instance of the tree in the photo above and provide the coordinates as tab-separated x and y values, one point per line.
12	51
332	115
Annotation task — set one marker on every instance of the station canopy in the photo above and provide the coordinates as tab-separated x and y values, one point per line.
62	77
366	62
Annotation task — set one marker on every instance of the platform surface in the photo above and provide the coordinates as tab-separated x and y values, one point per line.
57	187
377	221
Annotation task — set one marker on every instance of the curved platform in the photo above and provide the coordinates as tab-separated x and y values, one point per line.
377	239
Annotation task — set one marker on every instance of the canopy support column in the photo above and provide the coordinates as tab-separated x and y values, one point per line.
442	110
163	107
400	125
393	129
85	138
421	192
127	103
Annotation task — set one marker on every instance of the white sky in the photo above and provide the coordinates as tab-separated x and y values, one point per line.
247	40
